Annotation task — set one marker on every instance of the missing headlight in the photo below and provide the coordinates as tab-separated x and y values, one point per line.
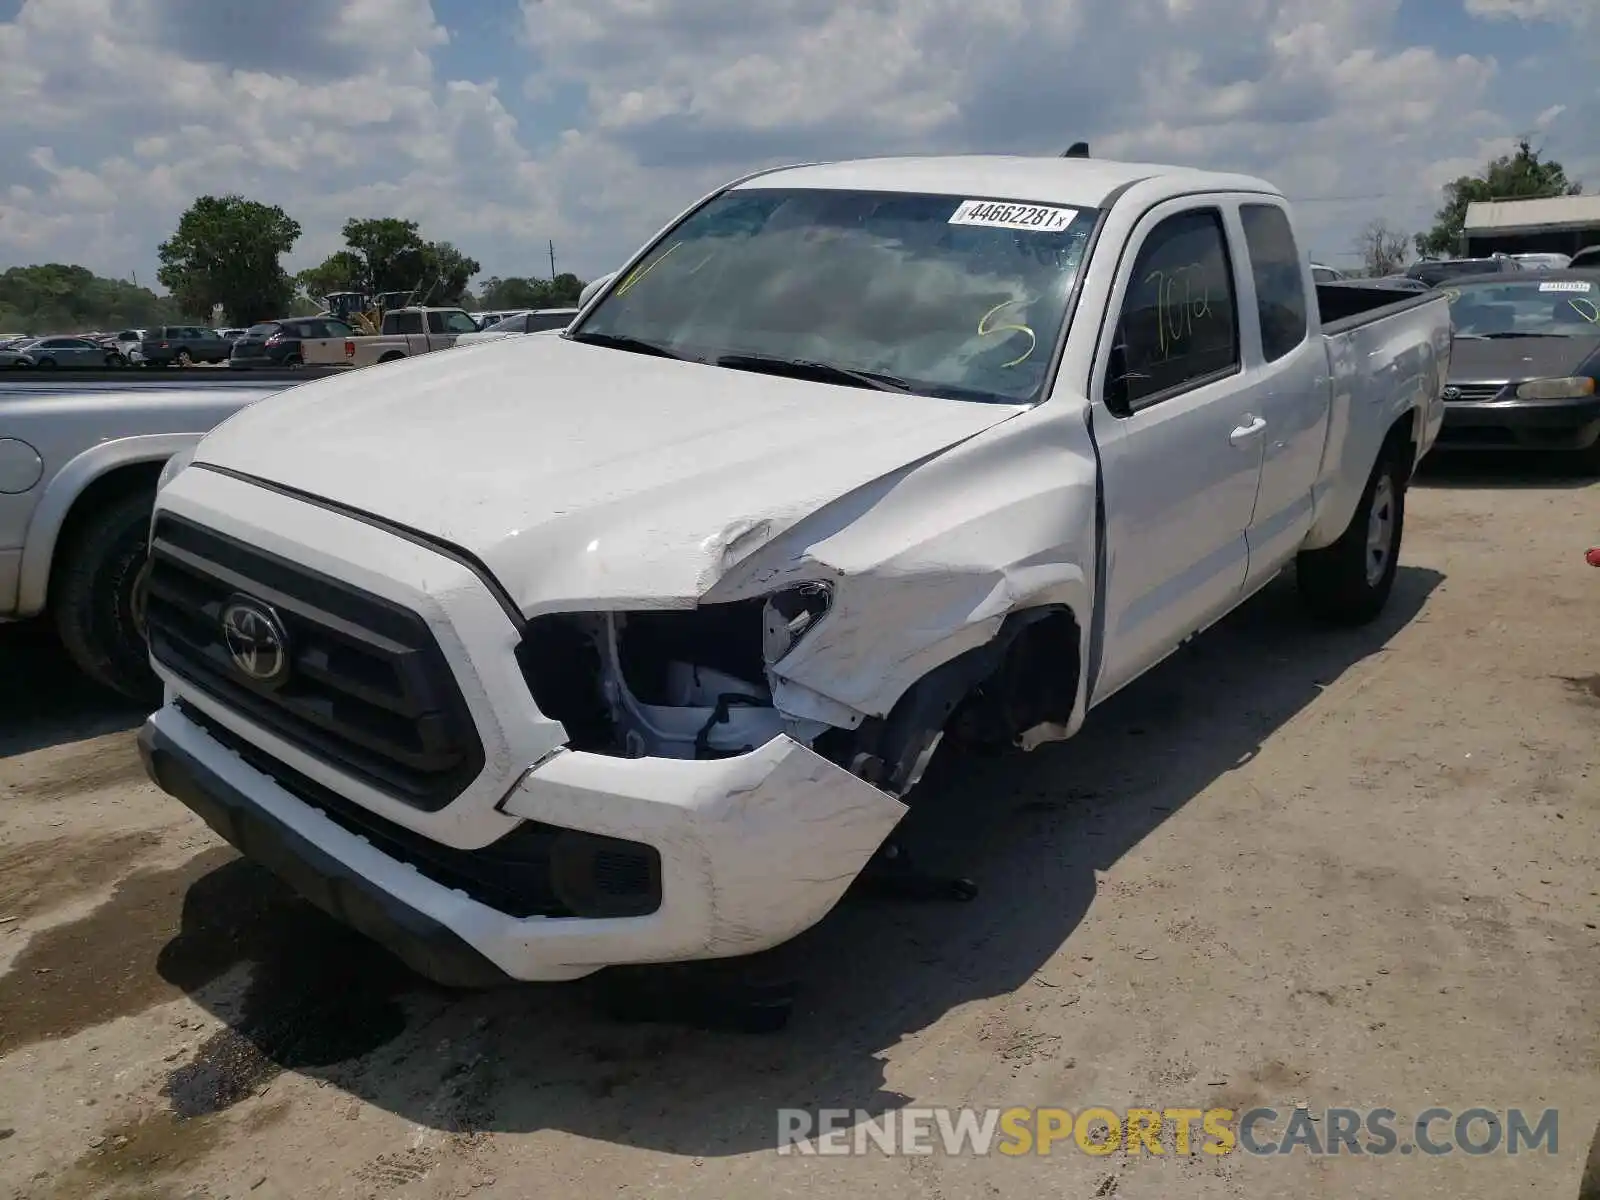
678	683
788	616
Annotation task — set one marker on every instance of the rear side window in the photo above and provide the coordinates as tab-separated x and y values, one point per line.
335	329
1275	267
264	330
408	322
1179	326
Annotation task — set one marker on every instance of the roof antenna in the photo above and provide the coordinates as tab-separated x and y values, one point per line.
1077	150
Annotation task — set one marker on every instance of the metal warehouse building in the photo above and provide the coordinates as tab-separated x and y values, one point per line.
1562	224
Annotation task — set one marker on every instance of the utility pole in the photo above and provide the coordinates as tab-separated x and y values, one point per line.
552	259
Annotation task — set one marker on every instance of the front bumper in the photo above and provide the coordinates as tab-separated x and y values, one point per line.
752	849
1569	424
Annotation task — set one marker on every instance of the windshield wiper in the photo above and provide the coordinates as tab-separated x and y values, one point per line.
623	341
804	368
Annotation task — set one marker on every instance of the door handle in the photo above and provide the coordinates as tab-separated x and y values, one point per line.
1245	432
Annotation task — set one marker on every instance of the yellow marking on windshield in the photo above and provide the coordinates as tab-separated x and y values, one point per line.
1587	309
641	273
985	329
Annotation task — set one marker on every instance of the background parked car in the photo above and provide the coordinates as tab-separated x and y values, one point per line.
126	343
230	335
1586	259
183	345
538	320
1434	271
1541	261
277	343
1323	274
14	354
51	352
1399	283
1525	364
494	316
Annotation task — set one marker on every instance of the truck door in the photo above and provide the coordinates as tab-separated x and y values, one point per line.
1290	366
1179	437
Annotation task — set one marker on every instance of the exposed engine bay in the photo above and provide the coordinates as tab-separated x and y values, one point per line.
697	683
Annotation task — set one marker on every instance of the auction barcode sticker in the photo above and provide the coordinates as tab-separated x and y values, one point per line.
997	214
1566	285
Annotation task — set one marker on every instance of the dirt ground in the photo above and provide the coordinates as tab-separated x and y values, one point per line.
1289	867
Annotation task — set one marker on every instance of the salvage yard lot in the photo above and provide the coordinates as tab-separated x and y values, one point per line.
1290	866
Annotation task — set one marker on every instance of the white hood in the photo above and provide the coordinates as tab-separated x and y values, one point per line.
586	476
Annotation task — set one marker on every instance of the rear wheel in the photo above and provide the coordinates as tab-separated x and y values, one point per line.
1349	582
45	364
185	359
92	598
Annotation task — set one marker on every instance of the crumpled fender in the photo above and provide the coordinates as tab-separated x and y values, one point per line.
928	565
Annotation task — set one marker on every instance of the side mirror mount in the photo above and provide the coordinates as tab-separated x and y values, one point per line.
593	288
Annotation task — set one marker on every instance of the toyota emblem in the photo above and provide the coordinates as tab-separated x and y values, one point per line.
1452	393
256	640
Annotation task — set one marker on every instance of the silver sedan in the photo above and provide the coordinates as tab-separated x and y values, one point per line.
60	352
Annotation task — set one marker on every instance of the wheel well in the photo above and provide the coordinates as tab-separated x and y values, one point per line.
1401	442
107	489
987	697
391	356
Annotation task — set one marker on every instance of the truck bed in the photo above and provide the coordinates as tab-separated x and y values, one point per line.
1350	303
1388	352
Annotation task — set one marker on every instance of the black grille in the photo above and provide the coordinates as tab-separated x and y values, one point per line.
369	692
1458	392
536	870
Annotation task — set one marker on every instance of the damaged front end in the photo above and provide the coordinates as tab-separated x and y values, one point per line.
706	683
672	683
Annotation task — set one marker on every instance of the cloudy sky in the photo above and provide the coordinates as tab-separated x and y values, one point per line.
502	124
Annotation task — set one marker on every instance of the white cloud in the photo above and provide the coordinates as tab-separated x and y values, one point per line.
610	115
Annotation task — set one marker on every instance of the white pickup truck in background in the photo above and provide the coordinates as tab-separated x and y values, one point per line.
405	333
851	461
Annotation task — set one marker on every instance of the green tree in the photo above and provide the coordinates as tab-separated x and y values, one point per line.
520	292
226	251
1522	175
446	273
57	298
387	254
390	249
342	271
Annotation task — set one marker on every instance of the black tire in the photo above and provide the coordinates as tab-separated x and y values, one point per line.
294	361
92	598
393	357
1349	582
184	359
45	364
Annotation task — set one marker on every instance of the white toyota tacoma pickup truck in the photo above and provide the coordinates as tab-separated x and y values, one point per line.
630	644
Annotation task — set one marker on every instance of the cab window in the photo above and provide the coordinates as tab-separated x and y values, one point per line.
1179	325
